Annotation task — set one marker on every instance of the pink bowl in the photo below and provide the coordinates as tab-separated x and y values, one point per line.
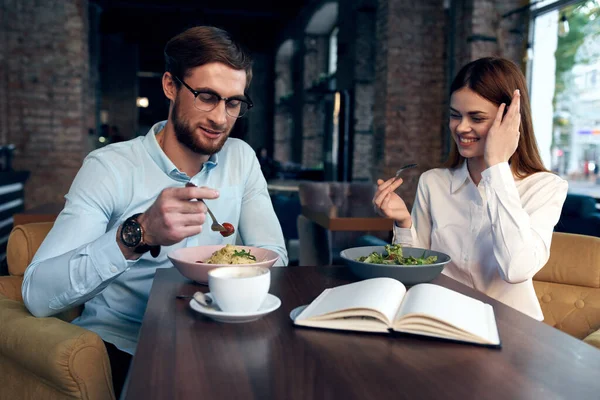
184	260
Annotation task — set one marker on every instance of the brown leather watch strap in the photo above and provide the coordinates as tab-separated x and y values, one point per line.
142	248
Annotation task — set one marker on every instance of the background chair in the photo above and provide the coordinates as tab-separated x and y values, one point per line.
319	246
45	358
287	208
315	243
579	215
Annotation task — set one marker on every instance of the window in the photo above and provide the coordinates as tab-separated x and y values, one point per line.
565	92
333	51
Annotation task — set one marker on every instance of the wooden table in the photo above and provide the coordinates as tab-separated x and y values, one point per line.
283	185
183	355
361	219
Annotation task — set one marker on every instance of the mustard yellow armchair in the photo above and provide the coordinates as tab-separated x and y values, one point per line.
568	287
45	358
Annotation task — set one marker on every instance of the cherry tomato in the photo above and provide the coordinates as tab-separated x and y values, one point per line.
230	229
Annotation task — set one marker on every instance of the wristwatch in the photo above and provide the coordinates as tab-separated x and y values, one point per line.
132	236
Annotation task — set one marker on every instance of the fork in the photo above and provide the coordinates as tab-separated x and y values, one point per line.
216	226
407	166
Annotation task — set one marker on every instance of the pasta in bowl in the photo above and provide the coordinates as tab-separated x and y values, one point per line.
195	262
231	254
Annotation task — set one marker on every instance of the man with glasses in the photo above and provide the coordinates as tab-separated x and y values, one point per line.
131	202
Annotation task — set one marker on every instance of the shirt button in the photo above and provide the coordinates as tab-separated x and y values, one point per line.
113	269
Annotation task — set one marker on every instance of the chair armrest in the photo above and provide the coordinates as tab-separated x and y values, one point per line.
593	339
23	243
70	358
10	287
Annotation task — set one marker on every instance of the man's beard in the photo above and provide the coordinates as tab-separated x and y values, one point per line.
185	135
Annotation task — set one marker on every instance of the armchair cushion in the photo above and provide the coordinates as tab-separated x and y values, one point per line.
572	309
61	360
568	287
574	260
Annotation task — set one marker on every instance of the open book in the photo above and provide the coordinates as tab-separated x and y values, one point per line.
384	305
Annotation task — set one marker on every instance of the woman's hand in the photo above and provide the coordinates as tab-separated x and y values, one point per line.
389	204
503	137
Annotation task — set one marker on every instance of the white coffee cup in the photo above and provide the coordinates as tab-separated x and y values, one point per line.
239	289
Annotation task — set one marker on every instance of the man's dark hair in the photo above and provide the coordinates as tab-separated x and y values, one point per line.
202	45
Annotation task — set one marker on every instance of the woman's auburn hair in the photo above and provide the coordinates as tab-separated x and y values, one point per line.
495	79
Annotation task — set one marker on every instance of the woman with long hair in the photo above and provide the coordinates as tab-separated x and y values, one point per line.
493	206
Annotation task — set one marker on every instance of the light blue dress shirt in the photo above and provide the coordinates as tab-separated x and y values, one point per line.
80	260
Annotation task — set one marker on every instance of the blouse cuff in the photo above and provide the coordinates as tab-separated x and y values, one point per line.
402	235
497	172
499	177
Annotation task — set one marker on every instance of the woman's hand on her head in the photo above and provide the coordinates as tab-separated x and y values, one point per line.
503	137
388	204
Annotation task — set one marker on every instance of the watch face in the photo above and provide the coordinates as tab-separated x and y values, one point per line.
131	234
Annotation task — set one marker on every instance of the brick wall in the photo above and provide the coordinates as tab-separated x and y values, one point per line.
409	89
282	150
313	122
46	106
260	127
119	67
363	89
313	117
481	31
283	118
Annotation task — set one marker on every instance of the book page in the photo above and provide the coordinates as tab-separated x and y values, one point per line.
466	317
383	295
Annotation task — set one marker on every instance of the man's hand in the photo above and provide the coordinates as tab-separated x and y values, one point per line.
173	217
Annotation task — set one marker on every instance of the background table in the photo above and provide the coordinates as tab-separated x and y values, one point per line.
183	355
348	220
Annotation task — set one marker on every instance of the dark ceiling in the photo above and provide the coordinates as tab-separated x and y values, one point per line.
258	24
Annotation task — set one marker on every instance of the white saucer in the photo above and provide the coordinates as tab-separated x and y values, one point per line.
296	311
270	304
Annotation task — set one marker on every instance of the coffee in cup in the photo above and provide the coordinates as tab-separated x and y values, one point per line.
239	289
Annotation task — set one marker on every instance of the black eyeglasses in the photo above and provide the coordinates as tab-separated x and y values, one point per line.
207	100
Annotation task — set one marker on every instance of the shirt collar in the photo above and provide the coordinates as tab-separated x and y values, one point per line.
460	175
164	162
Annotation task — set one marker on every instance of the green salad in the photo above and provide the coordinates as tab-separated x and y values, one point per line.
394	257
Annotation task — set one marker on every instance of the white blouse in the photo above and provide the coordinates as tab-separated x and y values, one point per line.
497	233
